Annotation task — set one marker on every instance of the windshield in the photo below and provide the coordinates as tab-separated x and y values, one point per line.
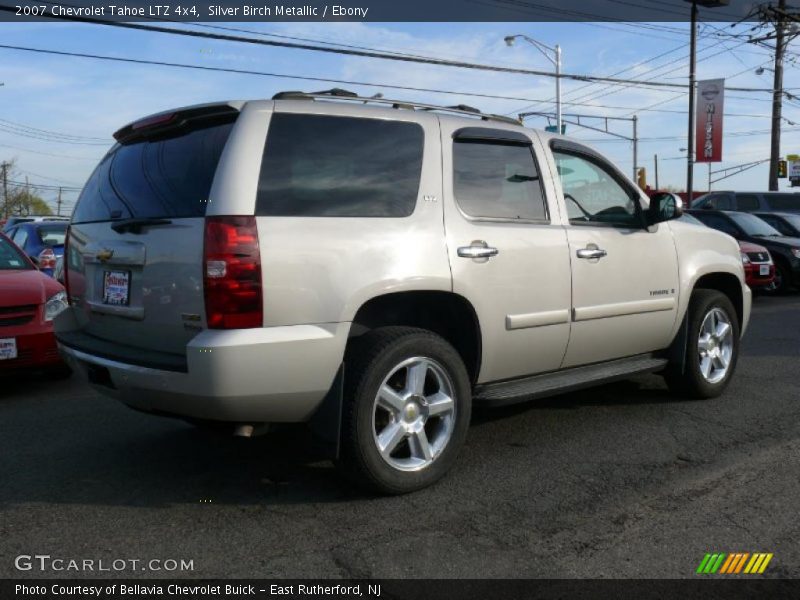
752	225
53	235
11	259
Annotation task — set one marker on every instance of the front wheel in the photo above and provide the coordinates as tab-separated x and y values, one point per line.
406	409
712	347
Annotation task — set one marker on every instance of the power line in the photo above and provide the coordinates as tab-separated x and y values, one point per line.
51	133
56	179
298	77
95	159
43	186
370	54
46	138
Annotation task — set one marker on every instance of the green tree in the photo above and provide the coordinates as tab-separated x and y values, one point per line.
25	202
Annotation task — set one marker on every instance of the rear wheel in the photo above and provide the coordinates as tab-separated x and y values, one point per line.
406	411
712	347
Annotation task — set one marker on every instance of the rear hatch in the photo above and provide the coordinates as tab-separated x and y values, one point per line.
134	264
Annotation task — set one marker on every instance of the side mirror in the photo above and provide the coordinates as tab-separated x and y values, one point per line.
664	206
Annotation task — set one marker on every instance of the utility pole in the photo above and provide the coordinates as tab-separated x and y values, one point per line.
655	159
58	202
777	96
5	189
690	145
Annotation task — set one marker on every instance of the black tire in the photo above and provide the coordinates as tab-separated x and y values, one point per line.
690	381
370	359
783	278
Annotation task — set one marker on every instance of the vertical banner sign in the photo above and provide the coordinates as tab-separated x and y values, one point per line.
708	117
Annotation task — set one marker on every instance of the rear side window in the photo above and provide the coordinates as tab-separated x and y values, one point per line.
497	180
20	237
159	177
746	202
330	166
783	201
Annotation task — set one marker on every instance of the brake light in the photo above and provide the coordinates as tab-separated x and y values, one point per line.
232	273
153	121
47	259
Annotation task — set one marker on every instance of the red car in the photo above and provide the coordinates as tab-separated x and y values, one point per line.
759	269
29	301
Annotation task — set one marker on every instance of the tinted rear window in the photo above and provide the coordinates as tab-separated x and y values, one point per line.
160	177
783	201
11	258
52	235
327	166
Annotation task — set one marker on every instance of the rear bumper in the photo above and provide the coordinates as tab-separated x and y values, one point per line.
271	374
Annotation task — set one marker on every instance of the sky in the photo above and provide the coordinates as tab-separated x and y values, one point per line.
88	99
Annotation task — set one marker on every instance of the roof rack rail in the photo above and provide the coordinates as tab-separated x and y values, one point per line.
340	94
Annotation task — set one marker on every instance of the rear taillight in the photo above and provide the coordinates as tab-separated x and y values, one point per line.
47	259
232	273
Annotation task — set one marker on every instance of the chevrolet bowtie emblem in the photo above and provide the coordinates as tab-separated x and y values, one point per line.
105	255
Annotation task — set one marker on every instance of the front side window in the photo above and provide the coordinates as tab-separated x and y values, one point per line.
494	179
330	166
592	194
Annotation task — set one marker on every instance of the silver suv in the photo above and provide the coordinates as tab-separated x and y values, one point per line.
374	268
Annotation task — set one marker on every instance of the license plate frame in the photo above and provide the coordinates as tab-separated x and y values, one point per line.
117	288
763	270
8	348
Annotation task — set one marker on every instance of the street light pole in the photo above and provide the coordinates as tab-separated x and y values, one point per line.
558	88
555	59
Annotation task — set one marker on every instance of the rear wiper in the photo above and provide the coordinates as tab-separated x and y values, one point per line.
135	225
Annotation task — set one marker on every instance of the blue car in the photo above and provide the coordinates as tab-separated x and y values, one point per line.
42	241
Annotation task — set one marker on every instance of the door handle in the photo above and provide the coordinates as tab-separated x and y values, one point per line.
591	253
478	249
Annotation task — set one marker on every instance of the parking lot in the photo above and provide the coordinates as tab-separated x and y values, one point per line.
618	481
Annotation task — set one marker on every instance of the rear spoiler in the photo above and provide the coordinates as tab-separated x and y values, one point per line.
173	121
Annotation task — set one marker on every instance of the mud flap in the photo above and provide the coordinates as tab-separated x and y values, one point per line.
326	422
677	351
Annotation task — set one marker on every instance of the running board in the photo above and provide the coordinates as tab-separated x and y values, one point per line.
568	380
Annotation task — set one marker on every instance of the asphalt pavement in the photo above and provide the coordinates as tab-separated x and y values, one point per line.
618	481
